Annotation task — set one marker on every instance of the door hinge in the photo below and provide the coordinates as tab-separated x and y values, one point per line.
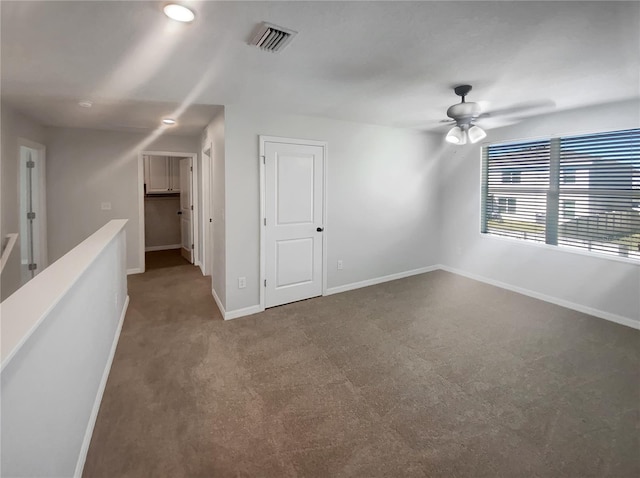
264	160
210	220
265	282
31	215
33	267
265	221
192	208
192	246
31	164
191	168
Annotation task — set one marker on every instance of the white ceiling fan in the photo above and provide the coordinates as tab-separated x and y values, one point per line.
465	115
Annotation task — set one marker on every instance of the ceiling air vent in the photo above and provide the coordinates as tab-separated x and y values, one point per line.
272	38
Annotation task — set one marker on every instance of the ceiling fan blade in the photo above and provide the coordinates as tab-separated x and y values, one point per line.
529	107
499	122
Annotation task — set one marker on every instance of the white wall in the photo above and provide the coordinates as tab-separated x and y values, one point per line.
215	134
59	333
13	125
88	167
161	221
592	283
381	195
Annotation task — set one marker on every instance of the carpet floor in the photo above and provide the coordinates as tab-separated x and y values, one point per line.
433	375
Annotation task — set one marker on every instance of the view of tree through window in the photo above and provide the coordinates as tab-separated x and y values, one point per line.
576	191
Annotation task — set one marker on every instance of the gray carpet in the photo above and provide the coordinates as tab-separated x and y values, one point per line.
434	375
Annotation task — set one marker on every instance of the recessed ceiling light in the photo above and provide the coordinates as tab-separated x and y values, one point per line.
179	13
85	104
169	121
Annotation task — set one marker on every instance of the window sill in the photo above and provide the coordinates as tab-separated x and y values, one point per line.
594	255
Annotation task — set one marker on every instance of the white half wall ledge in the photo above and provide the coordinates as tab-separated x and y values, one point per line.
618	319
25	309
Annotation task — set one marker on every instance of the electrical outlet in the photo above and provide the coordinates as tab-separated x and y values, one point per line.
242	282
339	264
105	206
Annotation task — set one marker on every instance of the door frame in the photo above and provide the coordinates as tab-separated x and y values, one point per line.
207	182
194	198
42	207
263	236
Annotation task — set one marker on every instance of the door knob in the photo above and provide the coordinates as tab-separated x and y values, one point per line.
320	229
179	213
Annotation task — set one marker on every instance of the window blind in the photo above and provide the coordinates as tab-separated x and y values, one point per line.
516	183
575	191
605	192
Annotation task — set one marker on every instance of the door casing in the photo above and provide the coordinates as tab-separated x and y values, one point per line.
263	245
41	245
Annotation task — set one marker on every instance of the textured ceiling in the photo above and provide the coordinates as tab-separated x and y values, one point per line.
389	63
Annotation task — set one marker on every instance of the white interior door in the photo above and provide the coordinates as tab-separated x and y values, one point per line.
294	222
186	208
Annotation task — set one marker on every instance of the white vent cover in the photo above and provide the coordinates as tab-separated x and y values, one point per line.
272	38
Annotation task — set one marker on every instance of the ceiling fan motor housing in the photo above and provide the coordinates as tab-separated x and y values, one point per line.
464	113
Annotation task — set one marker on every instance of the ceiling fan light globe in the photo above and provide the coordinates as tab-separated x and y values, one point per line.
455	136
476	134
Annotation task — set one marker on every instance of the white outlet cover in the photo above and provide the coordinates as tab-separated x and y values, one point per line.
105	206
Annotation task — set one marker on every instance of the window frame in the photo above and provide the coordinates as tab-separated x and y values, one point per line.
555	179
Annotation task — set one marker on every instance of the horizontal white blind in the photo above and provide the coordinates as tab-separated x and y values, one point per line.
600	192
576	191
517	180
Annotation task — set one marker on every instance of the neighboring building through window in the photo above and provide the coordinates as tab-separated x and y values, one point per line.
568	208
575	191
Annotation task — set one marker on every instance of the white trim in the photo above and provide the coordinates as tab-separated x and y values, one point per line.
618	319
263	268
135	270
234	314
218	302
162	248
560	248
6	253
195	214
141	246
380	280
42	207
84	449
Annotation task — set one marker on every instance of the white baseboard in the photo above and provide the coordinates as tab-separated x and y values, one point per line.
135	270
84	449
618	319
162	248
379	280
234	314
218	301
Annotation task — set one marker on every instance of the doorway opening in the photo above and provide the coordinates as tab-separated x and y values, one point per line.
33	211
168	206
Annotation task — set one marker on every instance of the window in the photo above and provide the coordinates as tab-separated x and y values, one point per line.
568	177
568	208
576	191
511	176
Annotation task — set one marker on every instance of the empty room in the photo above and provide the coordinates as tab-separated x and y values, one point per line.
320	239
